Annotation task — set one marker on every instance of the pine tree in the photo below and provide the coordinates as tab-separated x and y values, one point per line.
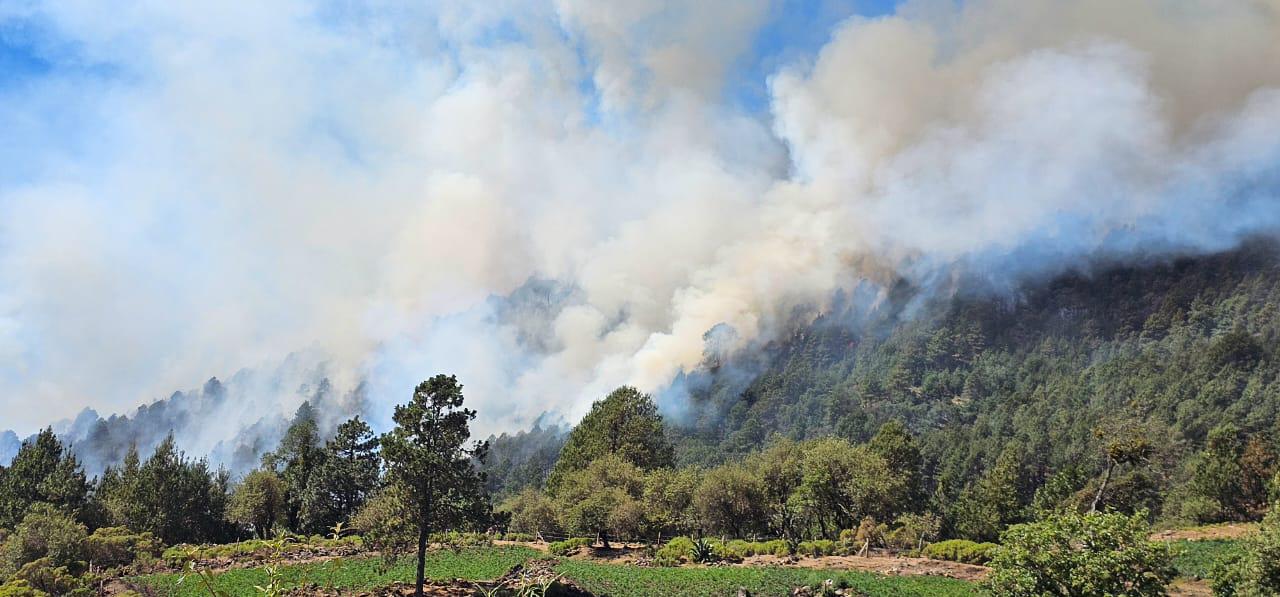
428	461
348	473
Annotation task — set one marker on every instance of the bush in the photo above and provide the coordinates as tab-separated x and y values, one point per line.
45	532
20	588
821	547
1256	570
960	550
675	551
118	546
532	512
456	539
384	524
1075	554
568	546
42	575
521	537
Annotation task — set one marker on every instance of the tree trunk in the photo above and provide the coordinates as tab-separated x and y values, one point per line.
1106	478
422	559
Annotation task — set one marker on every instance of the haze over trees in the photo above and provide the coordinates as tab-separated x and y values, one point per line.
1097	405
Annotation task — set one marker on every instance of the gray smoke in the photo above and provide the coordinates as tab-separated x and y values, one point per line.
358	184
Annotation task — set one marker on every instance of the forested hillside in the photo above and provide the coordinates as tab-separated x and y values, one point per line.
1010	392
1088	404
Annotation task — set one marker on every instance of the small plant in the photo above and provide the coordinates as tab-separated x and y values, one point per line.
203	577
275	578
702	552
494	591
540	588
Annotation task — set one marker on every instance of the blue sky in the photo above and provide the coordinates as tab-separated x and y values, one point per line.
29	50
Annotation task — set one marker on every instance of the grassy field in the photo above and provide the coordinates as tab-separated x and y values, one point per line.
603	579
629	581
1194	559
354	573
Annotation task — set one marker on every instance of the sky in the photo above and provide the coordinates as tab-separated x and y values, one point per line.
370	188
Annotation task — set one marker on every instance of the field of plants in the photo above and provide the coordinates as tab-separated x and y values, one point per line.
473	564
1195	559
630	581
489	563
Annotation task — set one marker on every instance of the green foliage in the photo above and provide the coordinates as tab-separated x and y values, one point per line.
960	550
676	550
258	502
669	500
45	533
297	457
1198	559
44	575
347	475
568	546
602	498
844	484
177	499
351	575
994	502
20	588
729	500
427	461
1072	554
699	581
385	523
523	459
819	548
1253	571
257	548
42	471
702	552
625	423
532	512
118	546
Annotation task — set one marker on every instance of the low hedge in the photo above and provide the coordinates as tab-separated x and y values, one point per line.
568	546
960	550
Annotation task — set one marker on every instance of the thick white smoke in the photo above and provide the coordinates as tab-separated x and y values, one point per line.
191	190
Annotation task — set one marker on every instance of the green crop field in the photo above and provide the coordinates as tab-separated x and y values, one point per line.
1195	559
629	581
614	580
353	573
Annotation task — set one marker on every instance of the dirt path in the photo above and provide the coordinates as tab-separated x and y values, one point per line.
1185	587
1233	530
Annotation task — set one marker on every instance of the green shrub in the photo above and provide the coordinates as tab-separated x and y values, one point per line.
43	575
820	547
45	532
20	588
118	546
456	539
568	546
1255	570
675	551
1075	554
960	550
522	537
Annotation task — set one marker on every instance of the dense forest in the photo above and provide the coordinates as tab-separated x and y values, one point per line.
1034	389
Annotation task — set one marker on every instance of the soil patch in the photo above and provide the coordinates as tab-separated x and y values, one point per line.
1233	530
882	564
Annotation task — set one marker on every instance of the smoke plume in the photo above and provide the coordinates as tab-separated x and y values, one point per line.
554	198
